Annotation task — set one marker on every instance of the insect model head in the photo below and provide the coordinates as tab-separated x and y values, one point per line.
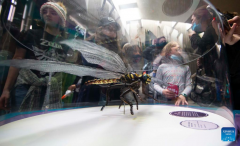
146	78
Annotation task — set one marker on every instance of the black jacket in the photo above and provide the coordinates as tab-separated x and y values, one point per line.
204	44
151	52
233	59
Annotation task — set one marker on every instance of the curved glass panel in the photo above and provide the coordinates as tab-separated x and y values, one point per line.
102	59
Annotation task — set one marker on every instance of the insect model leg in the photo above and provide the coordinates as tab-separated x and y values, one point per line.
153	98
109	87
107	99
121	104
136	86
123	99
134	95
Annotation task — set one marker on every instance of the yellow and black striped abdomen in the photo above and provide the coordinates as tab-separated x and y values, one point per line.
102	81
129	78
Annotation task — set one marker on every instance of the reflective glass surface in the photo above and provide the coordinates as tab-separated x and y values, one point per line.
75	64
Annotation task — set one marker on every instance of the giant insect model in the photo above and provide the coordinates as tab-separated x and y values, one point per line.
130	81
114	75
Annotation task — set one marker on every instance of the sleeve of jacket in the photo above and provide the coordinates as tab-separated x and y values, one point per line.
202	43
147	53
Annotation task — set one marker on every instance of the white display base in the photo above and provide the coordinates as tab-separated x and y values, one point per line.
152	125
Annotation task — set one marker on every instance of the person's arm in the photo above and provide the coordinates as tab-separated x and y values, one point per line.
11	78
186	91
207	39
157	87
231	38
233	35
147	53
167	93
156	63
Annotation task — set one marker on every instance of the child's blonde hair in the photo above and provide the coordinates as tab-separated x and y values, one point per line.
168	48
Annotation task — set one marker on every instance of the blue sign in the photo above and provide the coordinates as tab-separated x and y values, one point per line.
228	134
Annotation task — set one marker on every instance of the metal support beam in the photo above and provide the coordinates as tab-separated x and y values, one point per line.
117	18
140	23
111	11
175	25
103	4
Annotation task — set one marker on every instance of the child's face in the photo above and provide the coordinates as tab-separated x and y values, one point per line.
51	17
176	50
110	31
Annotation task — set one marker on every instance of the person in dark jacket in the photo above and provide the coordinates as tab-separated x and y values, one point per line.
201	22
151	52
231	47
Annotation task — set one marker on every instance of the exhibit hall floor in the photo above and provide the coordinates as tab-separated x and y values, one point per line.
152	125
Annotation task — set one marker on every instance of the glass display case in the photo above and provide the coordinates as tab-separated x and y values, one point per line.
114	72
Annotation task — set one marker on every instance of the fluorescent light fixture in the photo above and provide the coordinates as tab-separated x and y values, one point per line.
22	25
13	13
128	6
30	26
25	12
158	23
175	32
188	26
130	14
122	2
10	13
30	9
180	40
133	22
180	36
173	23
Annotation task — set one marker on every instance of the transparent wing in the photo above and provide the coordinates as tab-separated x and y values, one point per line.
97	54
53	66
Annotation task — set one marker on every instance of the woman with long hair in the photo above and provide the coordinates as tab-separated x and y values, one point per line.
201	22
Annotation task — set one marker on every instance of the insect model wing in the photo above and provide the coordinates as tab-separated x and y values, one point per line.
53	66
97	54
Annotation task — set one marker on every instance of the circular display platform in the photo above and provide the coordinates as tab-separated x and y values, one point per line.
151	125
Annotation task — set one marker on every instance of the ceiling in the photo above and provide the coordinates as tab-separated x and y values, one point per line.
89	12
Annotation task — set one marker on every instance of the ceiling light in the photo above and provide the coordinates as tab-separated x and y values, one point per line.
188	26
173	23
128	6
130	14
122	2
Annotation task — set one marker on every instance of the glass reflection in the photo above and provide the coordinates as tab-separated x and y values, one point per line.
78	42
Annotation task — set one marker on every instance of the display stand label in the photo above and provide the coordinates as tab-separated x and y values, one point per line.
188	114
199	125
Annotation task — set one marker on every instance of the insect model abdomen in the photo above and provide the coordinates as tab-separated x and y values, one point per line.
102	81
